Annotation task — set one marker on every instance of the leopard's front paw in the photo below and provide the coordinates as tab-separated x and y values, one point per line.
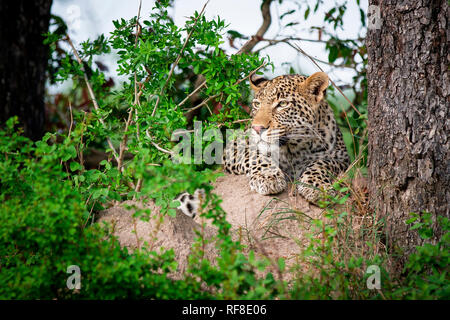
268	183
309	192
313	194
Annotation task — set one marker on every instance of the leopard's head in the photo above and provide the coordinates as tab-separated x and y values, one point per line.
284	109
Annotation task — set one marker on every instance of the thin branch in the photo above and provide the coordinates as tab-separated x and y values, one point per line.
178	59
297	47
91	93
267	20
273	41
138	32
71	118
71	124
202	103
80	146
138	27
216	95
123	143
334	85
237	121
191	94
137	96
286	41
138	186
156	145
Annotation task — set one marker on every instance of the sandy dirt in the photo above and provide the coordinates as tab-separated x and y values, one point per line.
267	225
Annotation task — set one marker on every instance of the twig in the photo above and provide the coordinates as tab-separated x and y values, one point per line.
286	41
138	187
203	103
137	94
90	213
80	148
297	47
191	94
237	121
274	41
178	59
71	118
156	145
123	143
91	93
339	89
137	24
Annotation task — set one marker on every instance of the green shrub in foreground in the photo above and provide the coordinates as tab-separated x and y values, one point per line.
44	230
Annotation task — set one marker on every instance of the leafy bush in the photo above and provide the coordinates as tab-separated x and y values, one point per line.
43	230
427	270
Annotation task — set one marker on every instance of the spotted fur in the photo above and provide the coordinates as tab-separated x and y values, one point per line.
190	204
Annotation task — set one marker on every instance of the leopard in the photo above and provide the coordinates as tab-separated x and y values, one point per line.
293	138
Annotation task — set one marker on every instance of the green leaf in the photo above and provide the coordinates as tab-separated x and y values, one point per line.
172	212
281	264
332	56
70	153
174	204
363	17
286	14
74	166
307	12
235	34
409	221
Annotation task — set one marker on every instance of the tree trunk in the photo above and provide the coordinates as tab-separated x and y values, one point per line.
23	59
409	95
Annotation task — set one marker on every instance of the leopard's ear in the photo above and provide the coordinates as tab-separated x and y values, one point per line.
316	85
256	82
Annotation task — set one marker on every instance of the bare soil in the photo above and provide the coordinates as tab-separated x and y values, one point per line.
271	226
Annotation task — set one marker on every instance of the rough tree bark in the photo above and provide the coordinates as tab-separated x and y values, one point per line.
23	59
409	95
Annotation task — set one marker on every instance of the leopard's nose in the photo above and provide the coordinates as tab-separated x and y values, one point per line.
258	129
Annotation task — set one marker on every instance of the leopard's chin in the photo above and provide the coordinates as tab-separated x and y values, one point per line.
264	147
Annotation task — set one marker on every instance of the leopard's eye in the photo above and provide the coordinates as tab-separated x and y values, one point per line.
281	105
256	103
